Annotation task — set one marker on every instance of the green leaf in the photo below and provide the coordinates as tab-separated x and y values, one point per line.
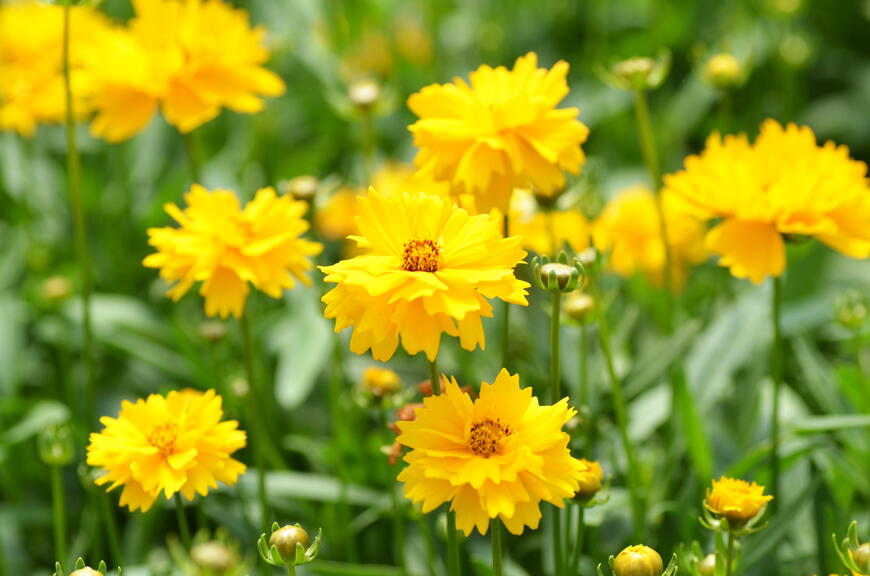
817	424
42	415
658	358
692	428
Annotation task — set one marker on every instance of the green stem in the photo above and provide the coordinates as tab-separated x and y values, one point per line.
192	150
584	389
621	415
453	568
581	534
555	394
59	513
426	533
291	569
256	421
776	369
729	562
81	235
340	422
183	529
369	145
111	527
495	537
396	501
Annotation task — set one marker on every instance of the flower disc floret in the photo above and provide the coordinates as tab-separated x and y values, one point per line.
496	457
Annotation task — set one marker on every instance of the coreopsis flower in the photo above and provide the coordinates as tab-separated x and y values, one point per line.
428	269
226	247
590	484
547	232
737	500
783	184
32	89
496	457
190	57
628	228
167	444
499	131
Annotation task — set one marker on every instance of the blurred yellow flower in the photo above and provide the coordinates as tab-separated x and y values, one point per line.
224	246
429	268
547	232
590	484
192	57
628	228
499	131
169	444
783	184
31	63
381	381
737	500
496	457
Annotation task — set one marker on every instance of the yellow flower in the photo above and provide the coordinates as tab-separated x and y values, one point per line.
31	63
547	232
381	381
737	500
192	57
628	228
428	269
169	444
225	247
499	131
496	457
590	484
783	184
638	560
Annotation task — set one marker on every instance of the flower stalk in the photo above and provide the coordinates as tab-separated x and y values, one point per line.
776	370
256	418
495	537
58	513
183	528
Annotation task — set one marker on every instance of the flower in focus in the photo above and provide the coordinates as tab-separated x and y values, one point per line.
496	457
783	184
638	560
499	131
31	63
547	232
737	500
169	444
381	381
629	229
224	246
428	269
190	57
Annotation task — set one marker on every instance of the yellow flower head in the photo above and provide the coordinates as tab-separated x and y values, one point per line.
638	560
628	228
590	484
737	500
499	131
225	247
784	183
547	232
31	63
381	381
169	444
495	457
429	268
192	57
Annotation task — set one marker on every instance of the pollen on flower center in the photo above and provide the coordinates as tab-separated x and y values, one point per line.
163	437
421	256
486	436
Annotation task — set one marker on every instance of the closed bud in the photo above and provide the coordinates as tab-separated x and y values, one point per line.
212	330
56	288
590	483
638	560
285	540
303	187
861	557
851	309
213	556
381	381
578	306
86	571
634	71
723	71
561	272
364	94
56	447
707	566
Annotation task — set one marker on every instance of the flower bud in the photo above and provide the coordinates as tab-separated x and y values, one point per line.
212	330
851	309
364	94
638	560
723	71
381	381
286	538
578	305
213	556
634	71
86	571
55	288
56	447
707	566
590	483
861	557
561	272
303	187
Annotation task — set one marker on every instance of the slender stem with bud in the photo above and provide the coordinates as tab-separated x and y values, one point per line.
729	554
59	514
183	528
574	568
555	394
256	422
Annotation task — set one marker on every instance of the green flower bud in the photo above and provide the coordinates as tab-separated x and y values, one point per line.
638	560
286	538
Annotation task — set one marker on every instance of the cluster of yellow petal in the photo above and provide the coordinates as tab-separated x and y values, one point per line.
169	444
499	131
428	269
169	56
547	232
496	457
224	246
737	500
783	184
629	229
31	63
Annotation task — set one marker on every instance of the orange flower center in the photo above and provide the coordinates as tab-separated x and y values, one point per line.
421	256
163	437
486	436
